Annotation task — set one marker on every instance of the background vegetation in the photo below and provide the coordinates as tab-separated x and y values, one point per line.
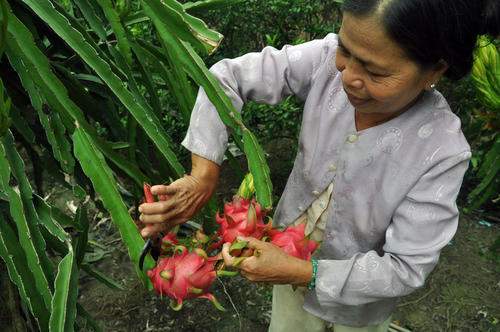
95	97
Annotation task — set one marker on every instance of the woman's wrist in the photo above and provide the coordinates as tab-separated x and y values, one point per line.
304	273
205	171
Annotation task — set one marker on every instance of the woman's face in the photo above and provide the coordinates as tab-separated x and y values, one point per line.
377	75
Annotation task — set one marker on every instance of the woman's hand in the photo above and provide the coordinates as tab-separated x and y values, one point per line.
185	197
270	264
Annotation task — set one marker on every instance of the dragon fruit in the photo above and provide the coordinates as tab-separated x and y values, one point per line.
168	241
242	217
293	241
185	275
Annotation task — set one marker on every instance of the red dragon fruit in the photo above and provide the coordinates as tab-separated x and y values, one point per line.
168	241
293	241
242	217
183	276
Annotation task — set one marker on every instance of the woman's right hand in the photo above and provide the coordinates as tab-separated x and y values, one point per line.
185	197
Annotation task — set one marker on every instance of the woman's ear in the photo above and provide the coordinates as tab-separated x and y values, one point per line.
435	74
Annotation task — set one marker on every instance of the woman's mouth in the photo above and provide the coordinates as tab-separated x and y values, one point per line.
355	101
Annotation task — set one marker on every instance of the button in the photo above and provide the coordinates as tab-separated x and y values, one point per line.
352	138
315	193
332	168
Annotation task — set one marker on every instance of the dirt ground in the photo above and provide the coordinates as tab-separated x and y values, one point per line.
462	294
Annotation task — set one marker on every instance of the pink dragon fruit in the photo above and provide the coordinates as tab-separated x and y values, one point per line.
185	275
293	241
242	217
168	242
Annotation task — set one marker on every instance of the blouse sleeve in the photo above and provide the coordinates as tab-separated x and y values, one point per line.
264	77
422	225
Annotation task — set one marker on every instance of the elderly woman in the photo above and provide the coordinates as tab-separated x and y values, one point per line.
380	161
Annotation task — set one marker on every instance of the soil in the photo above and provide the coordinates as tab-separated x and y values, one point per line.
462	294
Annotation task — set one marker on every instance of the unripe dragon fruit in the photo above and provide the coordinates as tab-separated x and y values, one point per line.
242	217
185	275
293	241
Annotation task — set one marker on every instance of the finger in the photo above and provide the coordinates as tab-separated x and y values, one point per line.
252	242
163	197
248	264
173	217
155	208
153	229
228	259
248	276
161	189
154	218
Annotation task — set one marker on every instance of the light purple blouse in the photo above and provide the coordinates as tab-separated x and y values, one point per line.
393	204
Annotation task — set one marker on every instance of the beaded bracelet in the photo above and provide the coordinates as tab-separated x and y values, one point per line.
312	283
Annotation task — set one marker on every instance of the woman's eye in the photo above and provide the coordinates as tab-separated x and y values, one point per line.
375	75
343	50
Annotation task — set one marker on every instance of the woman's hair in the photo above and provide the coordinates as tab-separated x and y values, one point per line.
433	30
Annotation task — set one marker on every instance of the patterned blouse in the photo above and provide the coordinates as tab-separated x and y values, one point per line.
392	206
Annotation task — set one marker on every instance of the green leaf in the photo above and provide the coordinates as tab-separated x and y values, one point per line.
259	169
87	51
62	318
21	46
5	104
51	123
92	18
486	72
26	192
104	183
196	68
56	136
146	77
60	219
21	275
171	71
47	220
186	27
83	236
25	231
102	277
203	6
489	173
21	125
3	28
169	158
92	105
116	25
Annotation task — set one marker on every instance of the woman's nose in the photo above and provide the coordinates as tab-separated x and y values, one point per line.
351	76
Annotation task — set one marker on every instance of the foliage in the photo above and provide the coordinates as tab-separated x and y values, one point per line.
87	84
486	161
274	23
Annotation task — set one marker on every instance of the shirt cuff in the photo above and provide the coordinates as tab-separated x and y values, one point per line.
201	149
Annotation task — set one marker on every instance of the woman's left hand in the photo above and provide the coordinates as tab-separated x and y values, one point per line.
270	264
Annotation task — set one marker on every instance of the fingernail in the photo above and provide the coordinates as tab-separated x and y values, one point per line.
140	209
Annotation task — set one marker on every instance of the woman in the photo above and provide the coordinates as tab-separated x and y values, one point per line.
380	161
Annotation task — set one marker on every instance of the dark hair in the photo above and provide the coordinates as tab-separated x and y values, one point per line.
433	30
